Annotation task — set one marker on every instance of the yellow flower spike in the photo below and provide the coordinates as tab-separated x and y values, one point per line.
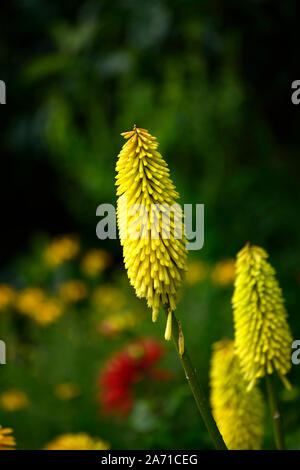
79	441
262	335
154	250
239	414
32	302
14	400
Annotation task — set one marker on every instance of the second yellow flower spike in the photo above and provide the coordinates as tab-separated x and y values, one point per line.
262	335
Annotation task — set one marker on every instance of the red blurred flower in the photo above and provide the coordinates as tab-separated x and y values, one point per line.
124	369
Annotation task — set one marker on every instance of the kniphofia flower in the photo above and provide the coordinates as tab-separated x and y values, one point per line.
14	400
124	369
154	251
262	335
7	441
239	413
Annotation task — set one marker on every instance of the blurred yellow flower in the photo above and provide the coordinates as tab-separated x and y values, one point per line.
7	441
50	311
116	323
262	334
67	391
79	441
61	249
223	273
155	260
94	262
108	297
291	394
7	296
14	400
196	272
73	291
239	413
32	301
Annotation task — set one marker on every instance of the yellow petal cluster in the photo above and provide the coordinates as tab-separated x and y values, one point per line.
7	296
262	335
7	441
79	441
239	413
155	259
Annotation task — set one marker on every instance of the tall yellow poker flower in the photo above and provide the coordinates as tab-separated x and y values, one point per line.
150	223
239	413
79	441
262	335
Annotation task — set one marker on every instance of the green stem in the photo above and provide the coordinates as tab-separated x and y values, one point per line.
199	396
276	416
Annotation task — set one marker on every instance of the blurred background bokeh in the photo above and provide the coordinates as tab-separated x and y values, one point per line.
212	81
